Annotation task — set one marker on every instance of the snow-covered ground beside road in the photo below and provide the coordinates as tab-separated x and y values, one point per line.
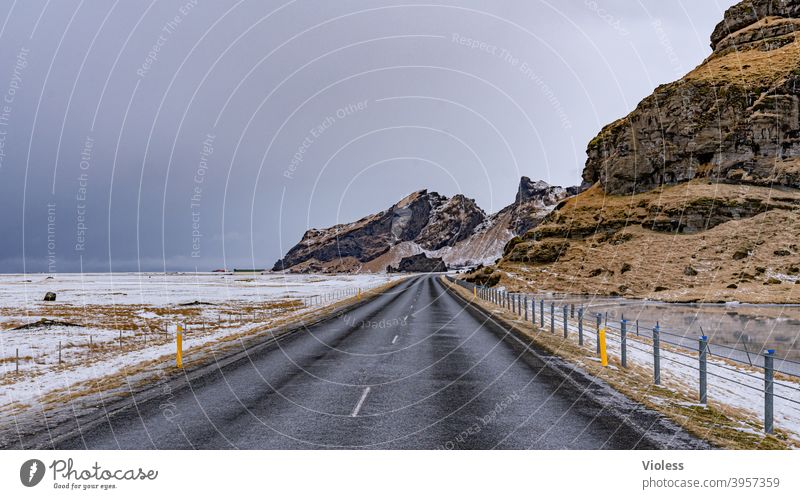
121	320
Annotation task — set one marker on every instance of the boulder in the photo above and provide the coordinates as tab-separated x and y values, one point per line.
49	296
419	263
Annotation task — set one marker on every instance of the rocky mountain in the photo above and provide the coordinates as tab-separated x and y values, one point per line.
454	229
693	196
419	263
734	118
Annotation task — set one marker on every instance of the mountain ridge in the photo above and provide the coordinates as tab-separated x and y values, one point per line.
455	229
695	193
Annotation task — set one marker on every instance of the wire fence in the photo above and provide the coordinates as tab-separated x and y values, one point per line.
631	342
74	349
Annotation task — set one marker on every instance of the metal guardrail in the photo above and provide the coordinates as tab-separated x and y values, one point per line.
692	354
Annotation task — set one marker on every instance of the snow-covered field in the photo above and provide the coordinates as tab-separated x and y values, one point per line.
114	321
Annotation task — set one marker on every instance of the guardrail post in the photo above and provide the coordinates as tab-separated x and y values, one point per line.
526	308
541	314
657	355
533	310
552	318
704	369
566	322
637	327
599	317
519	304
623	342
580	326
769	374
571	310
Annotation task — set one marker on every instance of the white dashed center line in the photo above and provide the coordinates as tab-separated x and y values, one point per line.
360	402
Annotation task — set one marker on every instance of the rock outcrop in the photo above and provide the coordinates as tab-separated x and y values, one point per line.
455	230
533	202
735	118
419	263
694	195
429	220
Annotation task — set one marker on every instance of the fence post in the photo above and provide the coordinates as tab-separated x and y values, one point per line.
637	327
769	373
541	314
566	322
179	348
599	316
552	318
657	355
17	361
571	310
580	326
59	352
623	342
703	370
519	304
526	308
513	304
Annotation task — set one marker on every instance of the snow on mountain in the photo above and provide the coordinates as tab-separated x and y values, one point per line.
455	229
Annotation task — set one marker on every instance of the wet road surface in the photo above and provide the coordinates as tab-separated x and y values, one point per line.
414	368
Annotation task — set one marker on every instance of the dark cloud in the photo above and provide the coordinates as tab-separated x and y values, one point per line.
196	134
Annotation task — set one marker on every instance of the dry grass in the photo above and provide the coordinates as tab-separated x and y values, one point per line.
717	423
611	252
750	66
133	378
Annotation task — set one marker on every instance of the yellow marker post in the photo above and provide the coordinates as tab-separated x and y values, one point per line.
359	293
603	353
474	292
179	348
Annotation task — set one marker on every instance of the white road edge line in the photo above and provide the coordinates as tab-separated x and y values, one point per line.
395	339
360	402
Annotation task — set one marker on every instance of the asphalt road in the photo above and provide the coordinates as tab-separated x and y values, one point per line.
414	368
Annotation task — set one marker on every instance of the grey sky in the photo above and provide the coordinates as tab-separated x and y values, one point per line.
454	96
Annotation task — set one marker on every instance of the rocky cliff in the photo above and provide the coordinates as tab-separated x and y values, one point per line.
694	194
734	118
419	263
454	229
